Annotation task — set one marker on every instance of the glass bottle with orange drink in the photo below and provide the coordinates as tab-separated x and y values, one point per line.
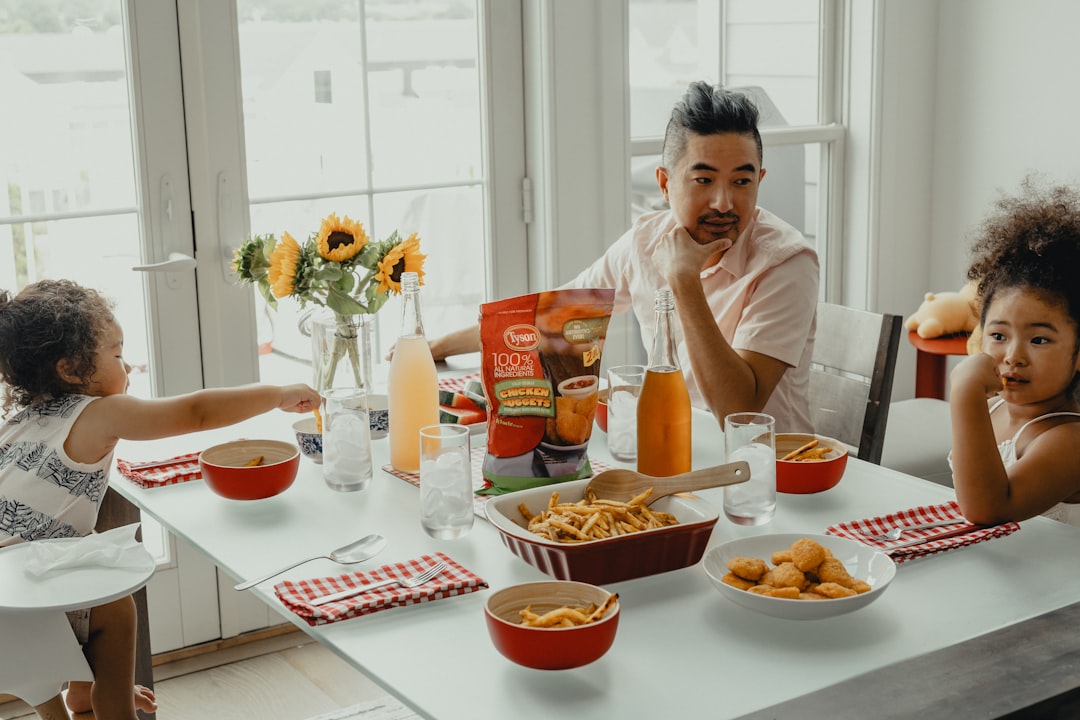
413	386
663	423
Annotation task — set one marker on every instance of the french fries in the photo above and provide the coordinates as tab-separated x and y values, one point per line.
257	460
318	420
594	519
567	616
810	452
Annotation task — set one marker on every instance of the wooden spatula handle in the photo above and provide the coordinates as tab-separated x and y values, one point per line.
729	474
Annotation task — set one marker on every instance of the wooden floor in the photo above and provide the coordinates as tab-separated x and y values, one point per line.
289	677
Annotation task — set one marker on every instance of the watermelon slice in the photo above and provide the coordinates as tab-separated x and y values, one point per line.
461	416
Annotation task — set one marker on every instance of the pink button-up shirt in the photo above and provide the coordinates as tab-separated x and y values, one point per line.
763	293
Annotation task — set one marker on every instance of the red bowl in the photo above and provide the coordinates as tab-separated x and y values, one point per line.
601	410
224	468
612	559
549	648
802	478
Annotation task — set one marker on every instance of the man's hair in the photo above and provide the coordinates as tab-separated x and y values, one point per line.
708	110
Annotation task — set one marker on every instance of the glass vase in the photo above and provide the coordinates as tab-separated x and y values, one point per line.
341	350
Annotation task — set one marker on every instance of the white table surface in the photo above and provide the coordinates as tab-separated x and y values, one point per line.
682	650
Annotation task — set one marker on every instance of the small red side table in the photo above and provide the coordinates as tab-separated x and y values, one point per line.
930	356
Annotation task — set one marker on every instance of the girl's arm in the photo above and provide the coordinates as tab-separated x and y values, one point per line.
986	492
109	419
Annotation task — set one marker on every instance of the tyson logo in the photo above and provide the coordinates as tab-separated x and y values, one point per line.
521	337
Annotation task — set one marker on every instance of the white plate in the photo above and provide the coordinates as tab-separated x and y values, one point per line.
66	589
862	562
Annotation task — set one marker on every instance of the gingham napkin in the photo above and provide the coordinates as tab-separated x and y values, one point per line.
457	384
164	472
862	531
455	580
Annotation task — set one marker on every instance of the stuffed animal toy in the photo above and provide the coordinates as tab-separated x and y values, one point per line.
945	313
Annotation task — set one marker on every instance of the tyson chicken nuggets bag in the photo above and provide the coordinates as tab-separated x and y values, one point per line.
540	357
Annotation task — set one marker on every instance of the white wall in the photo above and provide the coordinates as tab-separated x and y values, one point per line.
1007	103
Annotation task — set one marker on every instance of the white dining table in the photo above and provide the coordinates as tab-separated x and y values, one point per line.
682	650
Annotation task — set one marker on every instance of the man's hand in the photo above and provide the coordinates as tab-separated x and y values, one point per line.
679	256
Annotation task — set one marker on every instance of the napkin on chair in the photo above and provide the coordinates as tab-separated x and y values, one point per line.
455	580
862	531
150	474
116	548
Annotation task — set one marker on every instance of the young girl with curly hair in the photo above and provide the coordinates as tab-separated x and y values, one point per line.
1014	456
65	408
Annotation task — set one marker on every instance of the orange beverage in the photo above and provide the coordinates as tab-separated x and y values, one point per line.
414	400
664	435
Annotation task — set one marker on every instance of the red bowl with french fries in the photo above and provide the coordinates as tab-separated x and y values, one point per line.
552	625
610	559
250	469
807	463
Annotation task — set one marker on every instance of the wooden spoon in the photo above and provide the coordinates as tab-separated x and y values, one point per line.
622	484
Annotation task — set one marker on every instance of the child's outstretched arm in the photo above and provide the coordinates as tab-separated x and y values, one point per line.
109	419
987	492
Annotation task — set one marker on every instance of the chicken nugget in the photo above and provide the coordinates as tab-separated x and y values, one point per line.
787	575
780	557
572	429
860	586
832	570
586	406
834	590
747	568
811	596
737	582
787	593
768	578
761	589
807	554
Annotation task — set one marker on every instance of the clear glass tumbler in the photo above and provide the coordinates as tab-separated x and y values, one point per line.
346	439
624	387
751	437
446	490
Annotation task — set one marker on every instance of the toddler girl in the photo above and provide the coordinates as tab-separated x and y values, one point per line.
65	408
1015	456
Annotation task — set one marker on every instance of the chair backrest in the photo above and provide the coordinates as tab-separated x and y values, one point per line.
851	376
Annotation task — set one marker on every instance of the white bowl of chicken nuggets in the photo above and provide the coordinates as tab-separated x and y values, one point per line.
799	577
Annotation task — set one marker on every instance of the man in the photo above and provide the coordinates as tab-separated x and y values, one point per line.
745	282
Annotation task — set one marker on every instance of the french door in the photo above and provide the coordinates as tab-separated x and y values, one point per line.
156	134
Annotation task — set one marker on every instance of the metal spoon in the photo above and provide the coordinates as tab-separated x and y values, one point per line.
622	484
363	549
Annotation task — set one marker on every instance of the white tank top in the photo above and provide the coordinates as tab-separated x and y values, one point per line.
43	492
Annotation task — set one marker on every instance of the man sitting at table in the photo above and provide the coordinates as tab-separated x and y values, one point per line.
745	282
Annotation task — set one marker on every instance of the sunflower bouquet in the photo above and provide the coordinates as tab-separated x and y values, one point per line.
339	268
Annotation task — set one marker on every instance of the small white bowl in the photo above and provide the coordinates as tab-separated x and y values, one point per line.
579	387
378	415
862	562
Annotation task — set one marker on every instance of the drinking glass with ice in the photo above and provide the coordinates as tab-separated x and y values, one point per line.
446	491
346	439
751	437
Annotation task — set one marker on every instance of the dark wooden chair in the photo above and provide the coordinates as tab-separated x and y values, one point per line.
851	376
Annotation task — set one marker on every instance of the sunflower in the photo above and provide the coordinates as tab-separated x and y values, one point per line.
340	240
405	256
283	263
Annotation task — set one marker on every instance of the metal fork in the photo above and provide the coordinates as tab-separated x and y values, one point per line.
896	532
420	578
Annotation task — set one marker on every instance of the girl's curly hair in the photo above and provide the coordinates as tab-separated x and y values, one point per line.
1031	241
48	321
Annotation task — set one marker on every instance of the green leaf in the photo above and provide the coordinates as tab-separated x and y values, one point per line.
343	304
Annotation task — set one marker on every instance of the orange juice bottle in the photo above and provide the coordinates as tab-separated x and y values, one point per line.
663	424
413	390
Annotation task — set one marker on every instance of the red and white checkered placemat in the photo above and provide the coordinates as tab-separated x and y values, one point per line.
151	473
862	530
457	384
455	580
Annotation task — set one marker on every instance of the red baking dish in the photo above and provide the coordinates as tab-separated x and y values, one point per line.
612	559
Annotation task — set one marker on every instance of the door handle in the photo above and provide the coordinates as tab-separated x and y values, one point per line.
177	262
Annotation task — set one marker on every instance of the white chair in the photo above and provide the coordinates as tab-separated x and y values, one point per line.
851	376
919	439
40	654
